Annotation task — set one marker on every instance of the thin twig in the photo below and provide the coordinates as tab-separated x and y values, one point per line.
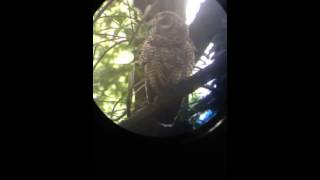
102	93
139	82
101	42
118	118
94	50
101	11
135	33
113	16
142	86
101	34
113	109
140	23
106	101
118	110
122	26
105	52
116	21
130	89
130	15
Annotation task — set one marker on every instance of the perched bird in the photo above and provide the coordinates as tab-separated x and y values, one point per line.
167	57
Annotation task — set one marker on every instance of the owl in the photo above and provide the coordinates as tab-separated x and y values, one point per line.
167	57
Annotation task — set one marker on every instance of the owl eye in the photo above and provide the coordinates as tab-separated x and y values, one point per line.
165	22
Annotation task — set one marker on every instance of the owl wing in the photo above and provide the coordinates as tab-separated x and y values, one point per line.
185	61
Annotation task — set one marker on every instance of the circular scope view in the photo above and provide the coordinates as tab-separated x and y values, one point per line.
158	65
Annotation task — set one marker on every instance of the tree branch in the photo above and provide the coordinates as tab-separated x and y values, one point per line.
182	88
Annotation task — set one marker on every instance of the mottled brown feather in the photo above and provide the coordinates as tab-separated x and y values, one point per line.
167	55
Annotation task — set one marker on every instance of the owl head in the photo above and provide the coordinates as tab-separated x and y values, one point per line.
169	24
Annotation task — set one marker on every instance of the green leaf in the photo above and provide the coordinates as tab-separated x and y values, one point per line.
119	18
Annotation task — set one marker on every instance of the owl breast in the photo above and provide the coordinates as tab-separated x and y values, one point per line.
167	54
165	66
